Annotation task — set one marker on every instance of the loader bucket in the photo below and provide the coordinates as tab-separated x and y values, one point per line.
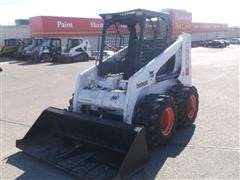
86	146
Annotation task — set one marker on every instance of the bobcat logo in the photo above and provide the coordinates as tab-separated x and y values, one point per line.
141	84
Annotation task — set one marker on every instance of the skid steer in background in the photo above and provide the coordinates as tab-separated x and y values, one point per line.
135	97
77	50
10	48
28	51
21	50
49	50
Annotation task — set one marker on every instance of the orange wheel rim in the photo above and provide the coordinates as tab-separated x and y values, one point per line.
167	121
191	106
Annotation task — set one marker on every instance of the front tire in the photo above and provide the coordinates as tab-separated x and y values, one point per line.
70	107
46	58
158	115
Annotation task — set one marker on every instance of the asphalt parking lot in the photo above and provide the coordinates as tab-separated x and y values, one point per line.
210	149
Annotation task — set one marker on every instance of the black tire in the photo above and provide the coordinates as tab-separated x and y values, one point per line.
157	113
187	102
18	56
65	59
81	57
70	107
35	58
84	57
46	58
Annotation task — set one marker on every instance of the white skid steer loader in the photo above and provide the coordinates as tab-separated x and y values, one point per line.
77	50
123	103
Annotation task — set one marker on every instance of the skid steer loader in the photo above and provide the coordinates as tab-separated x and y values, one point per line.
77	50
25	43
50	50
123	103
10	48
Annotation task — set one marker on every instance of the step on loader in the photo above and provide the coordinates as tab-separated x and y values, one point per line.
124	103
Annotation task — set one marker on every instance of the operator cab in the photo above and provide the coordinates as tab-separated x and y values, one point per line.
12	42
135	37
71	43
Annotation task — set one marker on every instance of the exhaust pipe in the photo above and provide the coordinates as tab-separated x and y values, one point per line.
86	146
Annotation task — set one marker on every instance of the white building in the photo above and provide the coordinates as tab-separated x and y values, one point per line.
15	31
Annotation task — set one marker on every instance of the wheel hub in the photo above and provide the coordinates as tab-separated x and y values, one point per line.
167	121
191	106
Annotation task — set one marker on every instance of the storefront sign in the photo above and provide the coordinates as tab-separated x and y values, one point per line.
208	27
181	21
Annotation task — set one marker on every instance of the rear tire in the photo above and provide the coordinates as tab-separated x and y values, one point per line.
187	102
81	57
84	57
157	113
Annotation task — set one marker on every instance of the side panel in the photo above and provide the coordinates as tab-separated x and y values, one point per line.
144	81
83	80
186	70
85	46
105	99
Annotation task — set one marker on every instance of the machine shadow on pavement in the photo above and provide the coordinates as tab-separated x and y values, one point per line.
23	63
4	59
29	62
64	63
33	168
173	148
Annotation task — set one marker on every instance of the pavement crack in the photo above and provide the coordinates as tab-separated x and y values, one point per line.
16	123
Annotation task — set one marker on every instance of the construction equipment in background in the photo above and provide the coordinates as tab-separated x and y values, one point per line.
135	97
27	50
27	41
21	50
48	51
77	50
10	48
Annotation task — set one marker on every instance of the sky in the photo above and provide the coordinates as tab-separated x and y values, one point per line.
210	11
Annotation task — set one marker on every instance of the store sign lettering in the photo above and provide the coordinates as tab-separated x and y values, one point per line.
96	25
64	24
182	26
